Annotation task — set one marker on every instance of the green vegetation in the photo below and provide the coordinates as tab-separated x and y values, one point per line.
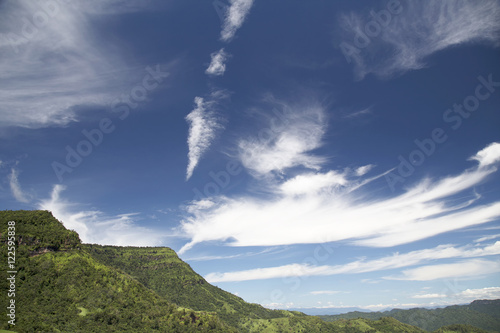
484	314
63	285
56	279
460	328
161	270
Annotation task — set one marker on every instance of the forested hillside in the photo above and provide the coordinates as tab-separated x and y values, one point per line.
61	288
484	314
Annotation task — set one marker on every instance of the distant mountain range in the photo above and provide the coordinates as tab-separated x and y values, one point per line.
62	285
483	314
327	311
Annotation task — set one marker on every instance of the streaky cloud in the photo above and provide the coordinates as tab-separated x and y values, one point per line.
288	146
340	211
51	71
217	65
394	261
420	30
473	268
203	125
94	226
15	187
235	15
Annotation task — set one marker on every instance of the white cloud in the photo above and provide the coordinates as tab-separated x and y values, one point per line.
359	113
467	295
247	254
421	29
465	269
383	307
217	65
483	293
287	147
425	210
203	124
54	62
458	297
312	183
235	16
96	227
430	296
361	171
360	266
489	155
324	292
486	238
15	187
268	273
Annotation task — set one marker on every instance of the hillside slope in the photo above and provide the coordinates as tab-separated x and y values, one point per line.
484	314
161	270
61	288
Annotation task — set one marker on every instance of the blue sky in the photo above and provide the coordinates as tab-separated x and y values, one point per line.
298	153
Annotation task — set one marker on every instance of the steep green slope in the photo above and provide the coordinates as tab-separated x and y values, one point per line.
460	328
310	324
484	314
161	270
60	288
489	307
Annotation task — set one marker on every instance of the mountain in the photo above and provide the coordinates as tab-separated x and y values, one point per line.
161	270
325	311
62	285
59	287
484	314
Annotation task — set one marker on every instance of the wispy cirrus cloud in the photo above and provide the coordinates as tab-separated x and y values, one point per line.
441	299
15	187
473	268
217	65
235	15
53	67
466	295
362	170
486	238
363	266
203	125
289	147
429	296
94	226
340	211
421	29
324	292
240	255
